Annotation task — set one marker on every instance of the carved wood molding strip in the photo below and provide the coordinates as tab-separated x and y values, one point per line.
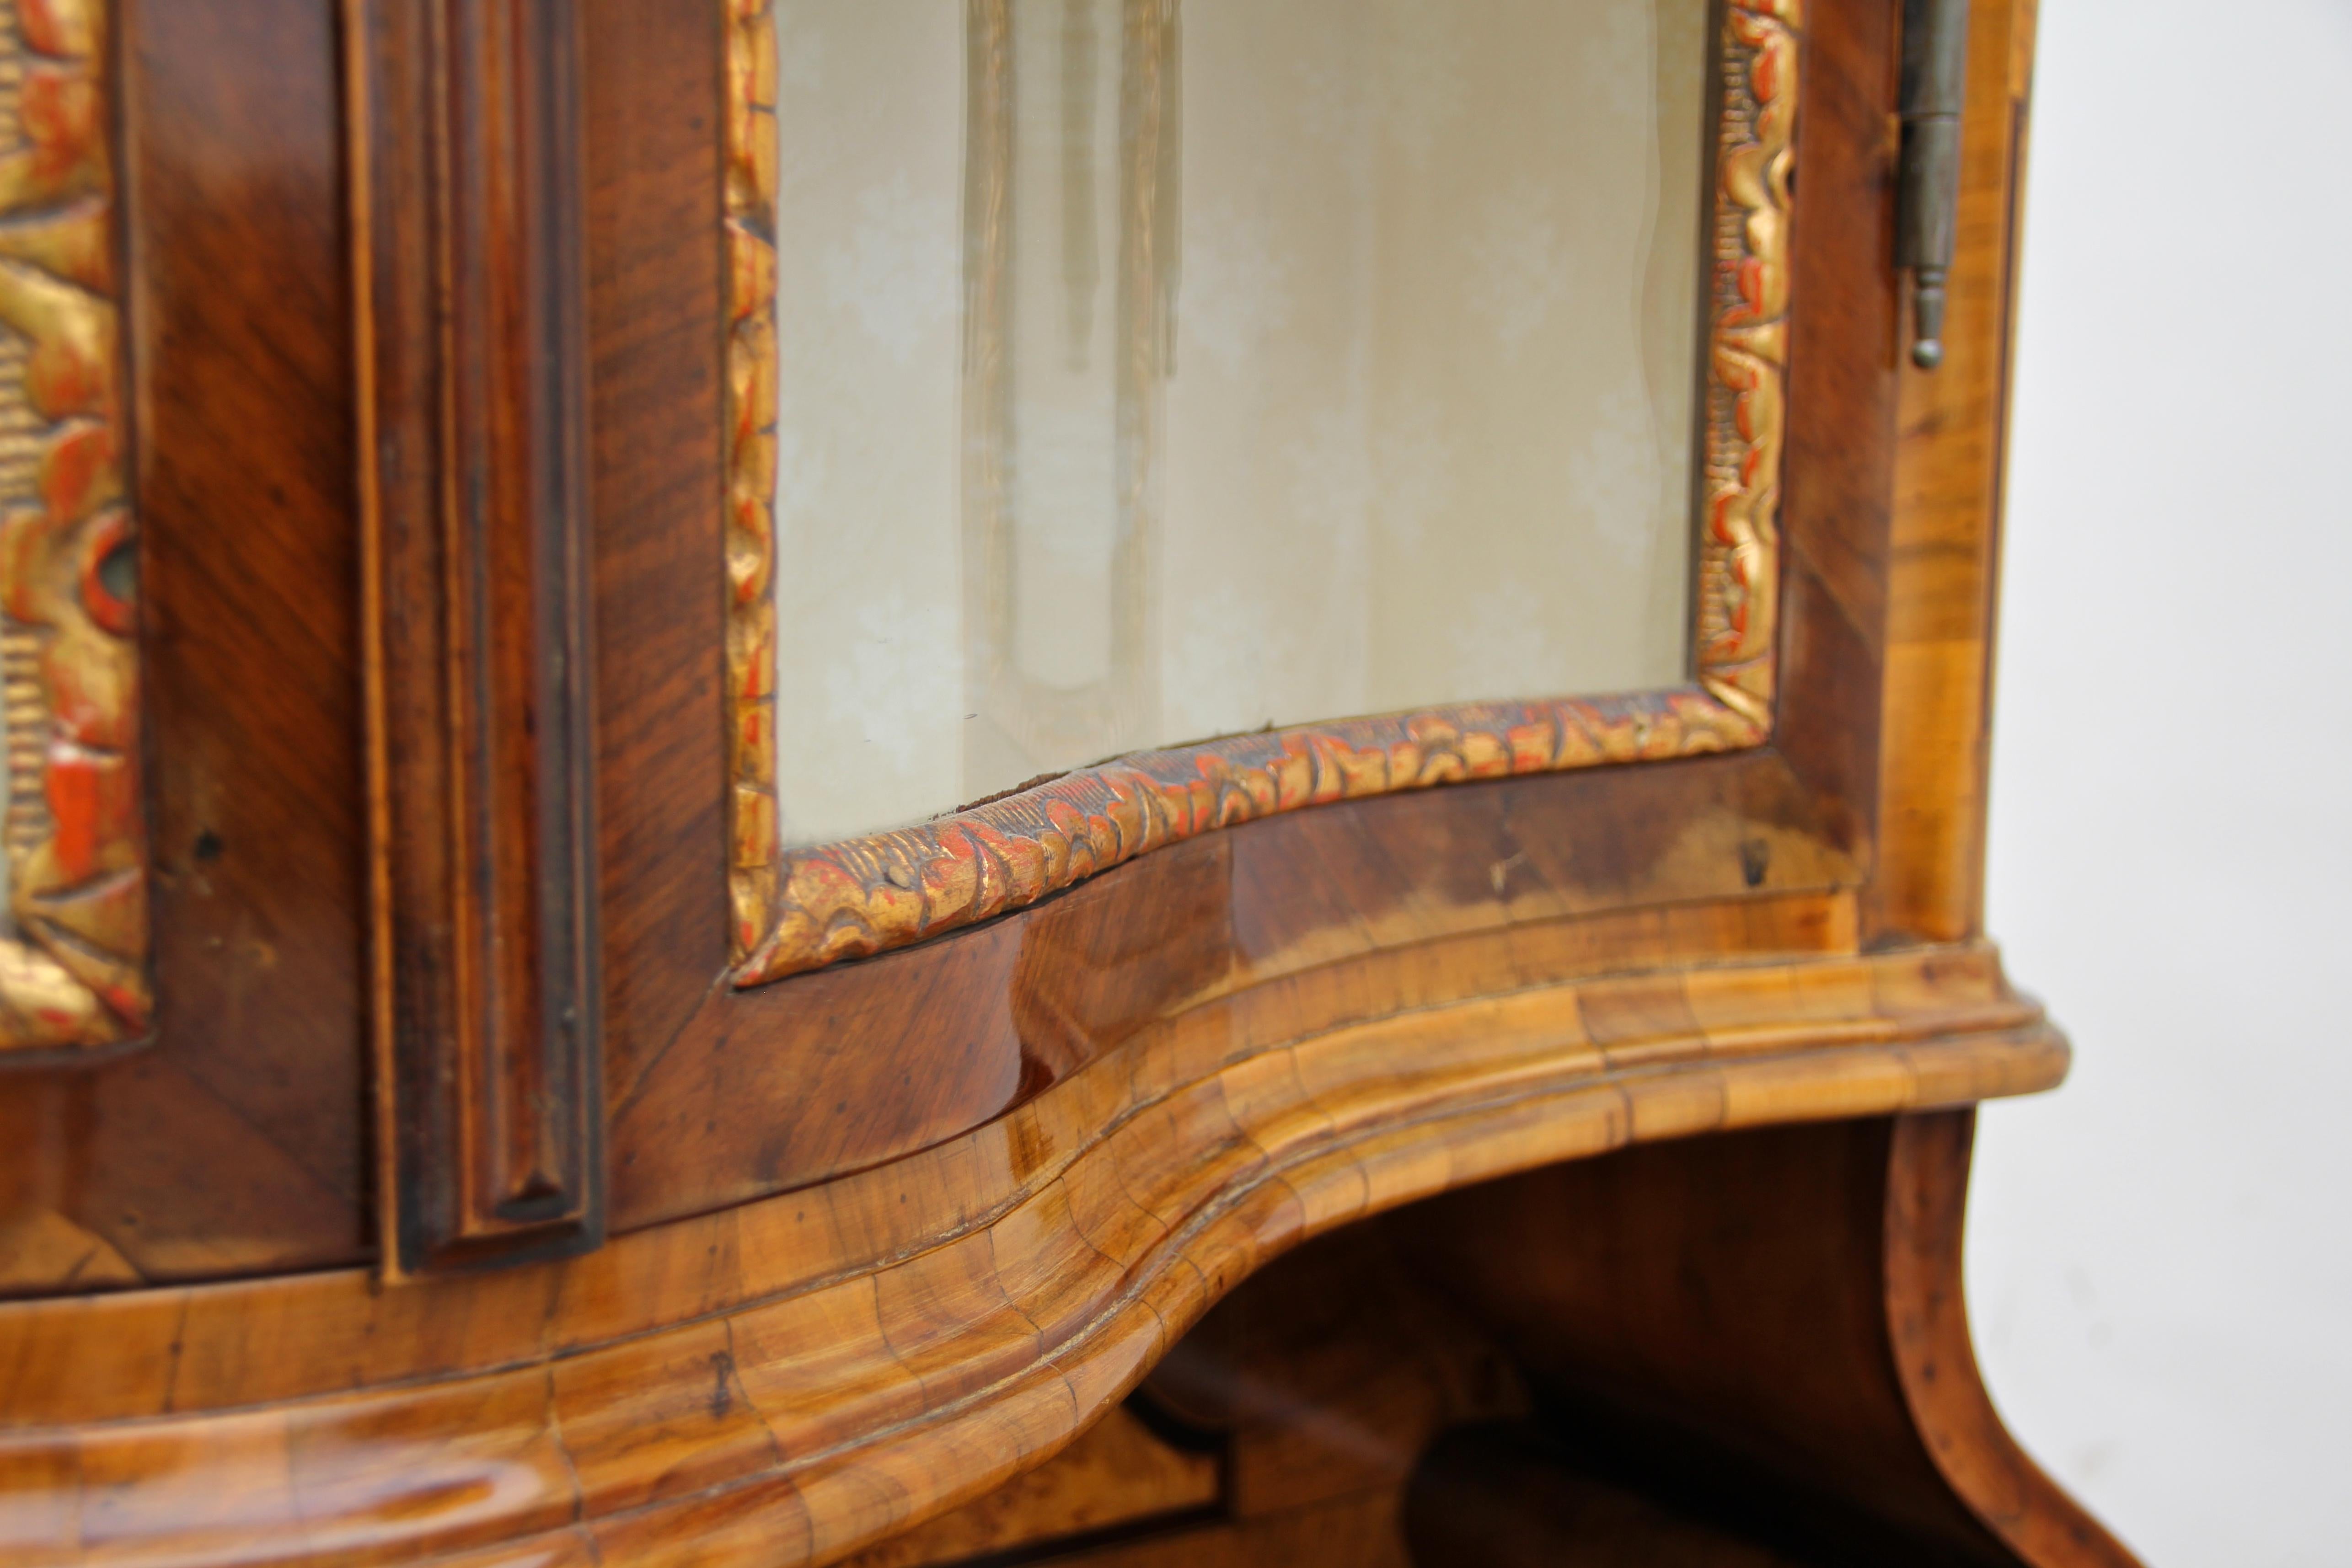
787	1381
466	153
800	909
73	970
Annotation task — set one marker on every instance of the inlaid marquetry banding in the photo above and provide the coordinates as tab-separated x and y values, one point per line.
783	1382
800	909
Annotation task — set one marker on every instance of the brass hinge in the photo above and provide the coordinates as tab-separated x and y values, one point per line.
1927	193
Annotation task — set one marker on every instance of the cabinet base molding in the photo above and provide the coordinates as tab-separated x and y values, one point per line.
791	1380
1711	1352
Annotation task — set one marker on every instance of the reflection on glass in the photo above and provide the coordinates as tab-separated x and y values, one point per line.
1153	369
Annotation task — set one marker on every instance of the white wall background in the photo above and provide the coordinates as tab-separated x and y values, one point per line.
2160	1260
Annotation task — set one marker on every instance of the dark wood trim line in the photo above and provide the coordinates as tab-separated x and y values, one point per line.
469	240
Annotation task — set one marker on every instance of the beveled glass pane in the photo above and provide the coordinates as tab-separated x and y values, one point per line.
1153	369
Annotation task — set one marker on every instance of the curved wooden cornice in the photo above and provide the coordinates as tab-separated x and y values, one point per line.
784	1381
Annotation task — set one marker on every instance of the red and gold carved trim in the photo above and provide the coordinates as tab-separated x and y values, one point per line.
805	908
751	538
1746	377
73	965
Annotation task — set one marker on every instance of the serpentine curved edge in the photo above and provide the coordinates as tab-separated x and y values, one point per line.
801	909
788	1381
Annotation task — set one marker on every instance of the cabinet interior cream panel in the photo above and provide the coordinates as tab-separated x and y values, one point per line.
869	330
1157	370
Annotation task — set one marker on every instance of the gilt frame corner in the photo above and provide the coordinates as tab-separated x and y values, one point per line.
793	910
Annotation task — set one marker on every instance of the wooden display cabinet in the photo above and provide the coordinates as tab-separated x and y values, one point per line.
455	1109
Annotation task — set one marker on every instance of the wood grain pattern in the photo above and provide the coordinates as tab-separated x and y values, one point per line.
235	1144
1948	478
1758	1316
233	167
891	890
652	76
1766	1326
73	956
789	1380
803	909
1118	1476
467	163
1936	1360
1838	511
722	1099
773	1087
889	1234
1329	1373
1722	1303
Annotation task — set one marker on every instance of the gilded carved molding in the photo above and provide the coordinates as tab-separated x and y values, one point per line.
750	411
1746	380
73	963
800	909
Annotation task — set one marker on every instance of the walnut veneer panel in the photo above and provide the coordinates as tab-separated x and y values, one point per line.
235	1142
887	1235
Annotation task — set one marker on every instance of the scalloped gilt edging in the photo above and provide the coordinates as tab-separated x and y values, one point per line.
73	969
800	909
